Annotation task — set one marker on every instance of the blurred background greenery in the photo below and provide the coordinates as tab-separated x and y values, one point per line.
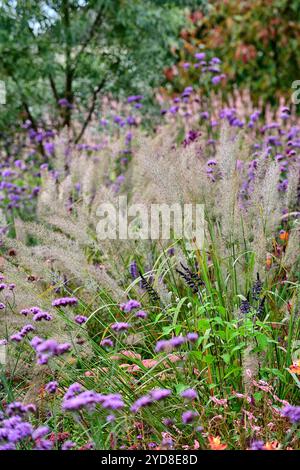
79	51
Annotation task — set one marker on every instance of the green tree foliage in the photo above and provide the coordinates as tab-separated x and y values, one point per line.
77	50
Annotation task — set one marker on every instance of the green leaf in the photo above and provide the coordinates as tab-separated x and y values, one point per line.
226	358
208	358
203	324
180	387
262	341
196	355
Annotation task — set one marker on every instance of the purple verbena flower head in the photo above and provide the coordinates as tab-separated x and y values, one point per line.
168	422
204	115
35	342
34	310
67	445
64	103
160	393
192	337
80	319
44	444
25	312
167	443
107	343
8	446
131	120
169	345
130	305
17	338
141	314
26	329
110	418
46	349
145	400
113	402
216	79
188	416
73	390
189	394
49	148
64	301
200	55
17	409
47	345
62	349
42	316
51	387
292	413
173	109
161	345
134	98
215	60
86	399
120	326
177	341
257	445
40	432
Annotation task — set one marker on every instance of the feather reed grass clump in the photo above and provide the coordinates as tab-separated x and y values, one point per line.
145	314
240	227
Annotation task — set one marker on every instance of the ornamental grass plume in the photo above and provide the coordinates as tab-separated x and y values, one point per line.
64	238
220	343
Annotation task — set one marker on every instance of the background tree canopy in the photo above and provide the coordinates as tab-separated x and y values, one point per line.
77	50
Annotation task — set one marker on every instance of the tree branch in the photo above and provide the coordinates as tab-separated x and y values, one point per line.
29	115
68	71
91	110
97	22
53	88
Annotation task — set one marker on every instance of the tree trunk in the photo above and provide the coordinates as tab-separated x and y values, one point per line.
68	69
